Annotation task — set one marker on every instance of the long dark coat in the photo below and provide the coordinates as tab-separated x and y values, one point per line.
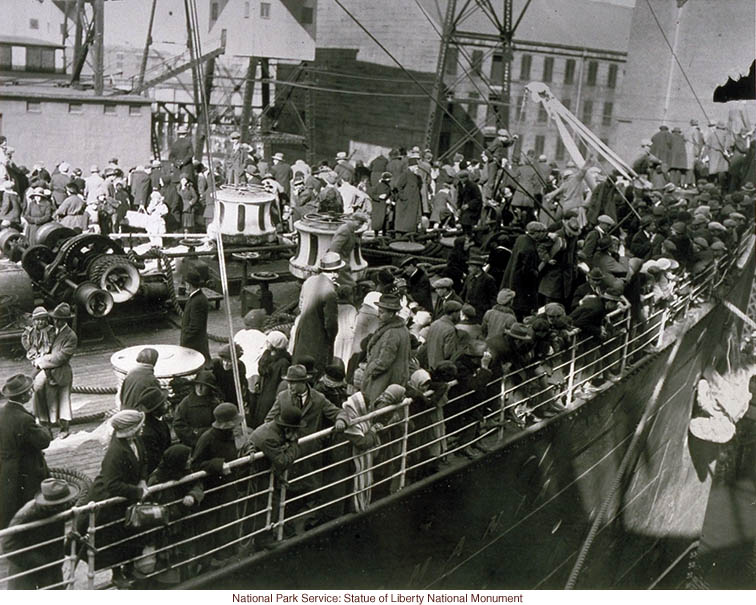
480	291
407	211
521	274
661	145
22	463
558	280
194	324
141	377
377	168
271	368
156	438
419	289
193	416
388	355
141	187
319	321
469	203
379	196
225	381
120	474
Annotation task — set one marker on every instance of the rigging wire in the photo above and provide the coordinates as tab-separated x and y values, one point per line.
194	33
682	70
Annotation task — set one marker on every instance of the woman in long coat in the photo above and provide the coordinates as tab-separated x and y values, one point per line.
407	211
123	473
189	199
39	210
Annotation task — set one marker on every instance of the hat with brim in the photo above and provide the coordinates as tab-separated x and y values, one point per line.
127	423
296	373
16	385
62	311
331	382
748	188
331	261
56	492
478	261
408	260
389	302
40	312
151	399
520	332
226	416
206	378
290	417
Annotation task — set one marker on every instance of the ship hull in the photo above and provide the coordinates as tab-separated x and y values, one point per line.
518	516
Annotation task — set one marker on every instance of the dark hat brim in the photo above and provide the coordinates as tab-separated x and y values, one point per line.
71	497
21	389
280	422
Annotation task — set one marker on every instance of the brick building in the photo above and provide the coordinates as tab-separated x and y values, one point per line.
577	47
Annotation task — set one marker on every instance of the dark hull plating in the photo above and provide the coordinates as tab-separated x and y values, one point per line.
518	516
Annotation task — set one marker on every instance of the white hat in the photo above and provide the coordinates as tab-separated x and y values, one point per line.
93	168
64	167
341	155
278	156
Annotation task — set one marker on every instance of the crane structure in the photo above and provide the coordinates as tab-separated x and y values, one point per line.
499	44
565	120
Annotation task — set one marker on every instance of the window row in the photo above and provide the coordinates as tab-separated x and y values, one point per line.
526	72
77	108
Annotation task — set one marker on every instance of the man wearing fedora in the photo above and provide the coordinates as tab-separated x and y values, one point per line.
52	386
277	440
318	322
388	350
479	289
23	548
181	154
156	434
317	414
22	440
281	171
194	318
418	284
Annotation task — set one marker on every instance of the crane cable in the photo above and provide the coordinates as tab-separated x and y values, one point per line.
205	106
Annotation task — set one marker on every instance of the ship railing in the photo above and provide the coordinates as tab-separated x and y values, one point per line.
254	503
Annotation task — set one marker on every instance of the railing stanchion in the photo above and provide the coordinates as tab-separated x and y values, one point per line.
71	556
281	507
626	343
269	506
503	414
405	437
91	549
662	326
571	371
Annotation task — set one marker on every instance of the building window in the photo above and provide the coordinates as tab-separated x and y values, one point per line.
606	119
75	108
542	115
548	69
611	78
246	10
33	23
264	10
592	72
540	142
477	62
214	11
452	55
587	111
5	57
567	103
34	107
497	69
525	62
135	110
559	153
569	71
109	109
307	15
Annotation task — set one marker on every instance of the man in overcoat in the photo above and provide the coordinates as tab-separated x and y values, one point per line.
52	386
418	283
318	322
441	340
194	319
22	440
388	350
479	289
521	274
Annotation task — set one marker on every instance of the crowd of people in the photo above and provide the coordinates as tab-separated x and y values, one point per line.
537	254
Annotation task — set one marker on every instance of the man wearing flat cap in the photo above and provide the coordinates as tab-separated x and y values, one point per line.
443	288
22	441
521	274
52	386
388	350
604	224
442	341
